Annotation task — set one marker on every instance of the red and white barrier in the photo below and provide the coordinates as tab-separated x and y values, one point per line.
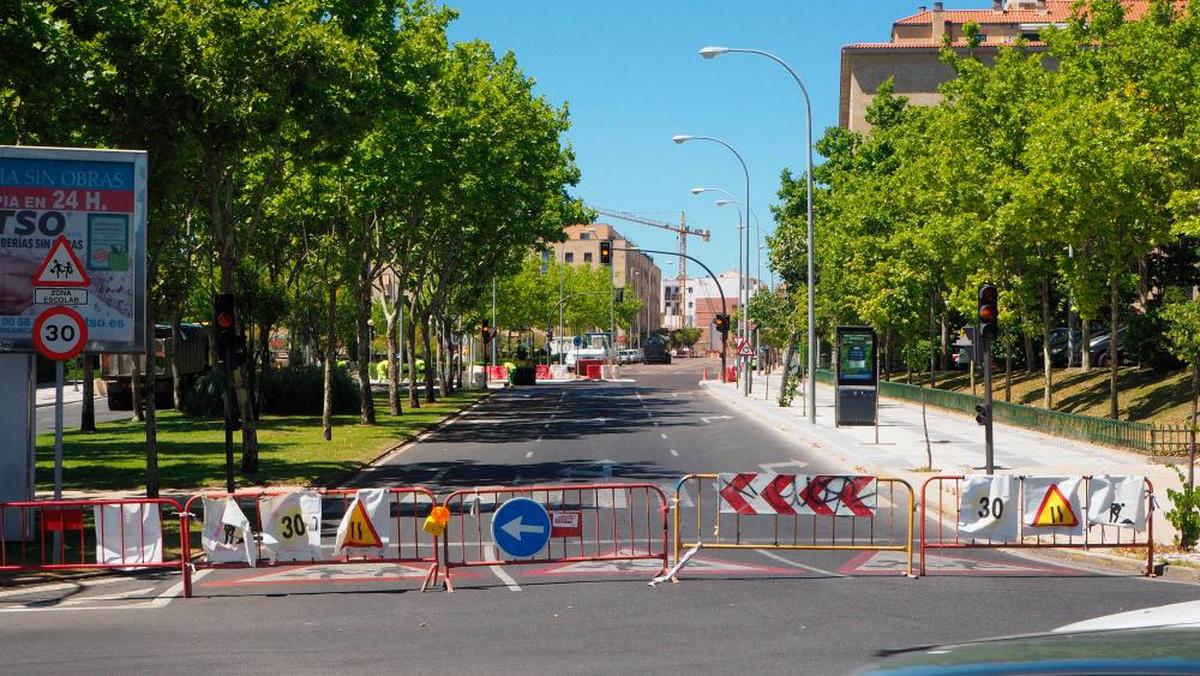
749	493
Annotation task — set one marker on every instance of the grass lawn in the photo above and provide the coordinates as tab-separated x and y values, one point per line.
1146	395
191	452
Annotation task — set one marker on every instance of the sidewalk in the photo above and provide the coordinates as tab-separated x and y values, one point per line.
72	393
956	440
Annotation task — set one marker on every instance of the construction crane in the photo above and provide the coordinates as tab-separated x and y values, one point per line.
682	231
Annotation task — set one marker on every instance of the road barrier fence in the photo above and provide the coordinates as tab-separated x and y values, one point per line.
591	523
1026	512
793	512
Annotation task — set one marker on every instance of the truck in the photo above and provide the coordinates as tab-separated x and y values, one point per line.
117	369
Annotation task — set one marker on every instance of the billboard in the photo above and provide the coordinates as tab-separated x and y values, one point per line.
855	355
73	233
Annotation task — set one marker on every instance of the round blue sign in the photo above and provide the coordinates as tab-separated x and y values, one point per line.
521	527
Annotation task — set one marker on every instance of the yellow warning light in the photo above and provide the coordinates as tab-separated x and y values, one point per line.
436	522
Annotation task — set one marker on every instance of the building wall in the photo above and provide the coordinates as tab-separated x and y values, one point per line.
635	272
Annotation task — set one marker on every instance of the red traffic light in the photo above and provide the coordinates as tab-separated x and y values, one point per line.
225	320
987	313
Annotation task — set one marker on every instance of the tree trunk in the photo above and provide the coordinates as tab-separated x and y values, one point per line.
429	363
410	329
933	340
330	364
1113	348
135	387
1008	373
887	354
944	350
788	356
925	428
366	400
393	346
87	417
1028	351
151	417
1085	353
1047	375
177	392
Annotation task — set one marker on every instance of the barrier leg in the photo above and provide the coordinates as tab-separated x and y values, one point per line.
430	576
185	554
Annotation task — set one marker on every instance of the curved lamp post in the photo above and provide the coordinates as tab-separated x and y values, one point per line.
712	53
684	138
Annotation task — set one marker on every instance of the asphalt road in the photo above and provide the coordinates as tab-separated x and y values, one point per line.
749	609
72	412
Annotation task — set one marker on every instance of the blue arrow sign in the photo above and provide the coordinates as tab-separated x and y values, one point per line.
521	527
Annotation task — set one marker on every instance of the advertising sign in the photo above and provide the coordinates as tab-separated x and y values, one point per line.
856	355
73	233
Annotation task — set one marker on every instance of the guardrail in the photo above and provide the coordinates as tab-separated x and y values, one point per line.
601	532
889	527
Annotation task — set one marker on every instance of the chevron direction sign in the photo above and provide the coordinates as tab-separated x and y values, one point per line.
749	493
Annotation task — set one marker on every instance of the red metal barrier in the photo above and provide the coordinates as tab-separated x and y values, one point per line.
542	372
497	373
731	374
90	536
604	533
1095	536
410	544
595	371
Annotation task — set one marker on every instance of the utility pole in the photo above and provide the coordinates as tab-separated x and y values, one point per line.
494	325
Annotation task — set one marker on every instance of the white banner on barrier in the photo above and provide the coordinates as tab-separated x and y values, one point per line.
366	528
1052	506
129	533
226	536
1117	501
292	526
988	507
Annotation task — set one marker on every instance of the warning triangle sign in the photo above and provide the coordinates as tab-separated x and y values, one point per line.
744	349
360	532
61	267
1055	510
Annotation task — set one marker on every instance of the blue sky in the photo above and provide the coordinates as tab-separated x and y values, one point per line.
630	73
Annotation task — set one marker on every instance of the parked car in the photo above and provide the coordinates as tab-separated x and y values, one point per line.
1098	348
629	356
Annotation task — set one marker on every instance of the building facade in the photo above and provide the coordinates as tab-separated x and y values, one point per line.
701	302
912	56
635	272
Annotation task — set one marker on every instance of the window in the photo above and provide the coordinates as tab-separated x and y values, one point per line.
587	257
585	235
569	257
1031	37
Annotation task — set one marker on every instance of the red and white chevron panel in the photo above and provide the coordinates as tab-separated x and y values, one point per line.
750	493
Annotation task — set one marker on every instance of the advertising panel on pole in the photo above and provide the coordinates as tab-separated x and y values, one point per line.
856	376
73	234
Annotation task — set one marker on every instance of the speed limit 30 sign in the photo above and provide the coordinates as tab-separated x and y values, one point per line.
59	333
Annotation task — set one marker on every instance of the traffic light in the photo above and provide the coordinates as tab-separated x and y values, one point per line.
487	332
983	414
989	311
721	321
606	253
241	354
225	319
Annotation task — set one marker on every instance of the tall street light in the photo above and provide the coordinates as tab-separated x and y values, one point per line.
684	138
712	53
741	276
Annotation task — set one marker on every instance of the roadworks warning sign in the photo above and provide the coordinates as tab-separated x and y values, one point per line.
1052	505
365	525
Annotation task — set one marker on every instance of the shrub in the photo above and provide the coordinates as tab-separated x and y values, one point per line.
300	390
205	398
1185	512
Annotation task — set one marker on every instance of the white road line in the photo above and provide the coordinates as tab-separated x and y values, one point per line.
675	453
174	591
530	453
439	475
489	554
794	564
25	591
663	435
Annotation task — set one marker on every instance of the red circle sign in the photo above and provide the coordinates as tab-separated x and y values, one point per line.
59	333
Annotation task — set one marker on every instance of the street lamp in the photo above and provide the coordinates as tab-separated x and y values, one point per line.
684	138
712	53
741	277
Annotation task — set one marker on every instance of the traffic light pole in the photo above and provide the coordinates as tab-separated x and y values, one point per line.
227	356
989	450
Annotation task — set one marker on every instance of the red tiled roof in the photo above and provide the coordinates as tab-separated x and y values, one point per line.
930	44
1056	11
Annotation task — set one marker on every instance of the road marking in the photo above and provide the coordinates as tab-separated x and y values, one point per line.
613	498
540	438
174	591
663	435
439	475
775	466
489	554
530	453
794	564
675	453
59	585
716	417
